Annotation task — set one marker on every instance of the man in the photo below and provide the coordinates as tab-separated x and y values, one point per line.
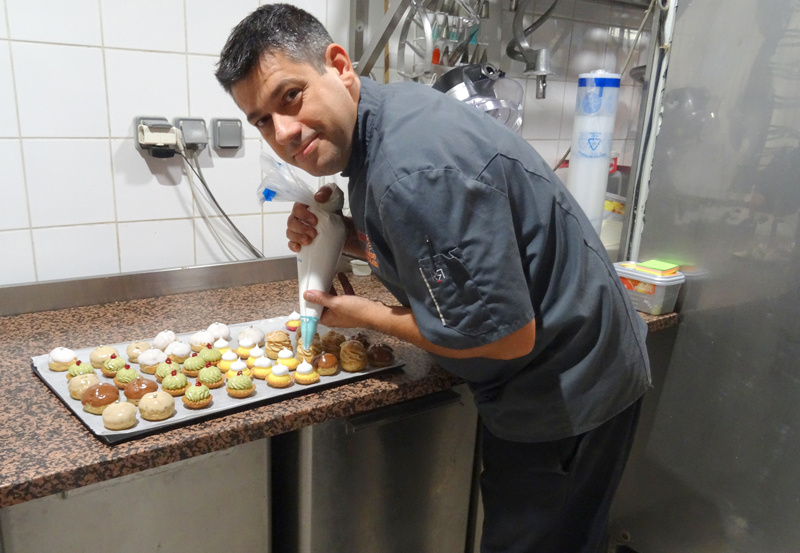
499	274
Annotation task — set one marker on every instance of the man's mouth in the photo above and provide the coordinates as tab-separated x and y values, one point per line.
306	149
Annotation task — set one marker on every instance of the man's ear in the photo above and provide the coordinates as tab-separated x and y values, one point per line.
336	58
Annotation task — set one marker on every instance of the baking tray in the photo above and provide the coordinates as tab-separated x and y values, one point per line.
222	403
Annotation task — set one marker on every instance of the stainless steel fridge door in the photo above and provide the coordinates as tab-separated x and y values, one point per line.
397	479
716	466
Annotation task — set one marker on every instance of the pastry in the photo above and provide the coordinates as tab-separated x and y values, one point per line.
353	356
211	376
78	368
79	384
305	374
210	354
111	365
136	348
219	330
222	345
286	357
294	322
149	360
197	396
193	365
253	333
119	416
200	339
255	353
156	406
276	341
139	387
262	367
363	338
313	350
227	360
325	363
279	377
380	355
245	345
163	339
332	341
240	386
125	376
96	398
165	369
175	383
178	351
100	354
238	366
60	359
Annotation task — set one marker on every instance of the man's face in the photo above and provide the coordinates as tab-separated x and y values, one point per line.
306	117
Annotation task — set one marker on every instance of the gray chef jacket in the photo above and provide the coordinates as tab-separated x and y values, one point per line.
465	224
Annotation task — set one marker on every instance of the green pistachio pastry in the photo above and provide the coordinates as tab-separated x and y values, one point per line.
164	369
240	382
197	393
174	381
210	355
79	368
126	376
114	364
209	375
194	363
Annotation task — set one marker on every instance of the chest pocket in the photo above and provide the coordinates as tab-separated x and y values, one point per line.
454	295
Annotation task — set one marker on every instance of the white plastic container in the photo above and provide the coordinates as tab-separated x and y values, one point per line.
650	293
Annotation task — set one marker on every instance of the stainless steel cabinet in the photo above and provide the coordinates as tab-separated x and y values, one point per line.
396	479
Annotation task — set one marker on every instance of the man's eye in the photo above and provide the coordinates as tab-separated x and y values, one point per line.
263	122
291	95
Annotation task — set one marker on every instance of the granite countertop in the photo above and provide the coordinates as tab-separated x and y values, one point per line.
47	450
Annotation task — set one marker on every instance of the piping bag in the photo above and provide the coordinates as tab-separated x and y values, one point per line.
316	263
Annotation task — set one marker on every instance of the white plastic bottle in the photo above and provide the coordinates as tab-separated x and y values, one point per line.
595	111
316	263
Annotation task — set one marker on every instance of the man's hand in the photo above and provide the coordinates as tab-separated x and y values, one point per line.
301	226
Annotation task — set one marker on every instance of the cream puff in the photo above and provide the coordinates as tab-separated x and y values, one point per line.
200	339
157	406
353	356
219	331
60	359
120	415
135	349
80	383
332	341
178	351
326	364
150	359
100	354
135	390
276	341
380	355
252	333
163	339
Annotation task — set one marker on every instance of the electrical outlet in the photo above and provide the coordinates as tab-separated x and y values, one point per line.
193	132
156	135
227	133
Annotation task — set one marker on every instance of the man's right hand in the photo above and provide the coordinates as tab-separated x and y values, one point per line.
301	226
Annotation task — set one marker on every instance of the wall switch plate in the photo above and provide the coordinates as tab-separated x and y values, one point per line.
226	133
193	130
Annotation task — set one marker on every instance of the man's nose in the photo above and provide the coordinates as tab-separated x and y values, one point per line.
286	128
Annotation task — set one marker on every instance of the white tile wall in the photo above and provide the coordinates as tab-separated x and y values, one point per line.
80	200
14	205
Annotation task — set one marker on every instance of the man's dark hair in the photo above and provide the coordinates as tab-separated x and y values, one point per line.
272	28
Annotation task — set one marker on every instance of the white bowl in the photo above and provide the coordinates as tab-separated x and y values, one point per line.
360	268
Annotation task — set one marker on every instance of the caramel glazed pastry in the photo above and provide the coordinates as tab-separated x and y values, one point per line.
353	356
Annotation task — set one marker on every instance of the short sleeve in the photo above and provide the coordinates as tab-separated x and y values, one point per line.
457	257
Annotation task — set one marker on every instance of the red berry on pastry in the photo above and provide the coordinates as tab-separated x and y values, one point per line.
174	373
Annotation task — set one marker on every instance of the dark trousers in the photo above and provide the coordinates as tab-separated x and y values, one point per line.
553	497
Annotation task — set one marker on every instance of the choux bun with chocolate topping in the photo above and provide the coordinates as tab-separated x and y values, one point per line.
353	356
380	355
96	398
60	359
100	354
156	406
138	388
135	348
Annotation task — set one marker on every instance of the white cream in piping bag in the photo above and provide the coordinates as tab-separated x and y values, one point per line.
316	263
